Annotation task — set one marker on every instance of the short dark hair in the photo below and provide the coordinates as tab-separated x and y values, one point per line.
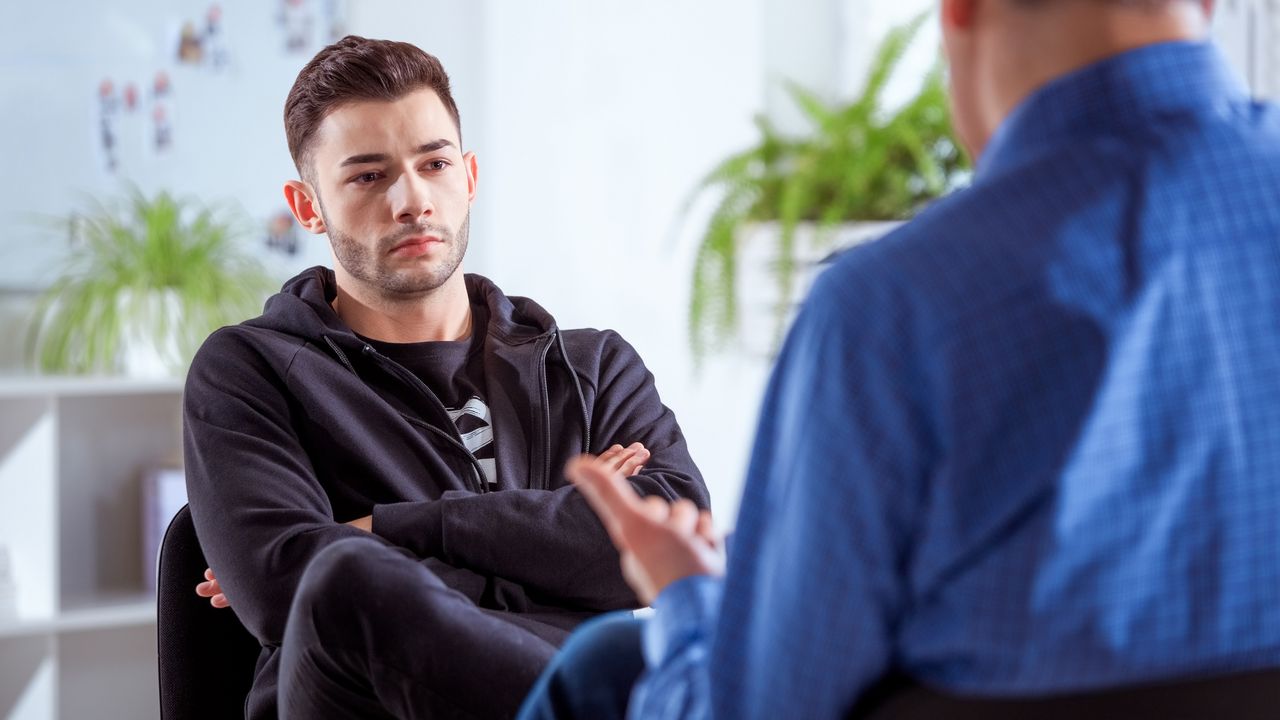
355	69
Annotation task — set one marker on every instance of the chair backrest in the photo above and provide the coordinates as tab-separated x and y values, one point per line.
1252	695
206	657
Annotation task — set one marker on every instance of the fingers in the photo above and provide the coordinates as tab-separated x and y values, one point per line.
635	462
216	597
612	456
608	494
707	529
607	485
683	517
655	508
626	460
212	589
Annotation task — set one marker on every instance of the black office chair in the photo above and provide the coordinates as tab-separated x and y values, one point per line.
206	657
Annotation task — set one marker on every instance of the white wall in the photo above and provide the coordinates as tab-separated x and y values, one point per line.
1248	31
600	119
227	128
592	119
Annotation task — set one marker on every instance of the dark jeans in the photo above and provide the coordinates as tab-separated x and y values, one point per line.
374	634
592	676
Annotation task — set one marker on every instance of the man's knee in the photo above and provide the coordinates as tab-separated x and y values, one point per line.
338	578
361	581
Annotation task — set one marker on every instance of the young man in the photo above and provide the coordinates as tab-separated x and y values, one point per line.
374	464
1019	457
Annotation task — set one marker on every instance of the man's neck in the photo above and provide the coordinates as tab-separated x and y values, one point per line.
1038	46
440	314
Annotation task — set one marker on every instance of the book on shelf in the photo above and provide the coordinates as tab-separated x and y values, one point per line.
164	492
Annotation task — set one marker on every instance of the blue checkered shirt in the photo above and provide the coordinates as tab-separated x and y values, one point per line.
1029	442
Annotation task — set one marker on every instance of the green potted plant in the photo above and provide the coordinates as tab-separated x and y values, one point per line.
146	282
858	163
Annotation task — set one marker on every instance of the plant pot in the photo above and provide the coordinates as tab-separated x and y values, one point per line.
764	313
149	334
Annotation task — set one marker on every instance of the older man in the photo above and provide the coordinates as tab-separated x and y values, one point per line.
1026	447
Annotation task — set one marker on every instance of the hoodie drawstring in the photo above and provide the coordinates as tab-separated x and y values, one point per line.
582	399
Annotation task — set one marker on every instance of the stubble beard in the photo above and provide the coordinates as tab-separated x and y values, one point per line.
374	267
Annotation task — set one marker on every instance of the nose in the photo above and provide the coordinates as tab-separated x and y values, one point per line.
411	198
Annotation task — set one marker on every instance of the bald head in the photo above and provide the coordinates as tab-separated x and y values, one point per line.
1000	51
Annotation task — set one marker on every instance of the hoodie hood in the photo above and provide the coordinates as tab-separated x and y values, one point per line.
304	308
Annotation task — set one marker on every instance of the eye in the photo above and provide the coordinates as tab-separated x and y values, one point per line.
366	178
438	165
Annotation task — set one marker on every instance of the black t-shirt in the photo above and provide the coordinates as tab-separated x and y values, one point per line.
454	370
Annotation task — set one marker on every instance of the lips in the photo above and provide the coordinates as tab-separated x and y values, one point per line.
415	245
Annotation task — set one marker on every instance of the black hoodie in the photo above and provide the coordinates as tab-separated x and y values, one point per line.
294	425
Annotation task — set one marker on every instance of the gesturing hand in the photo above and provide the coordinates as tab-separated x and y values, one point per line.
659	542
212	590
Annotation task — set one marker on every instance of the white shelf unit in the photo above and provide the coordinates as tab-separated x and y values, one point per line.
72	455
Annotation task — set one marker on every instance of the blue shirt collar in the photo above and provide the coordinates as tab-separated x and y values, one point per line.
1123	90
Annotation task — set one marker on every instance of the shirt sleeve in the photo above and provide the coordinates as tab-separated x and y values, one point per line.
803	624
676	642
259	509
817	576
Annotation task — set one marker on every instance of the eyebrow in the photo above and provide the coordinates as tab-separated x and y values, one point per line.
422	149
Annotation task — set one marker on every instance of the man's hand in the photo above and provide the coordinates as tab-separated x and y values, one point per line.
659	542
212	590
625	461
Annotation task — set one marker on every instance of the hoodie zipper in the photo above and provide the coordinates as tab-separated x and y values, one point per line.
481	486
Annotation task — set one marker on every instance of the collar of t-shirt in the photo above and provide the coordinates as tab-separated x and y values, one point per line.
454	371
442	364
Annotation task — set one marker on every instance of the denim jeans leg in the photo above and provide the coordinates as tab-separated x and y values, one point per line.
592	675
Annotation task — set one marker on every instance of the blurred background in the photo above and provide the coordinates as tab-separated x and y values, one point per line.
595	123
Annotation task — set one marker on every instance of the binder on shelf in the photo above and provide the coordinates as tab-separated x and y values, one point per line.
164	492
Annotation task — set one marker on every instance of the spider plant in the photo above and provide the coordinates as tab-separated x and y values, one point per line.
858	162
155	270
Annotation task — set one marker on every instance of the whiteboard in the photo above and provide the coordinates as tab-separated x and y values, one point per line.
222	115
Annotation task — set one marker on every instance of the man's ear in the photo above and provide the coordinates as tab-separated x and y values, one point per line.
473	174
305	205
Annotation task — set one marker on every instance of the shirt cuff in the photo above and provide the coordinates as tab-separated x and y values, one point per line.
684	613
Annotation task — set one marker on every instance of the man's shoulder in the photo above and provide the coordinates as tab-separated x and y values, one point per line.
906	262
595	348
244	356
963	255
245	341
